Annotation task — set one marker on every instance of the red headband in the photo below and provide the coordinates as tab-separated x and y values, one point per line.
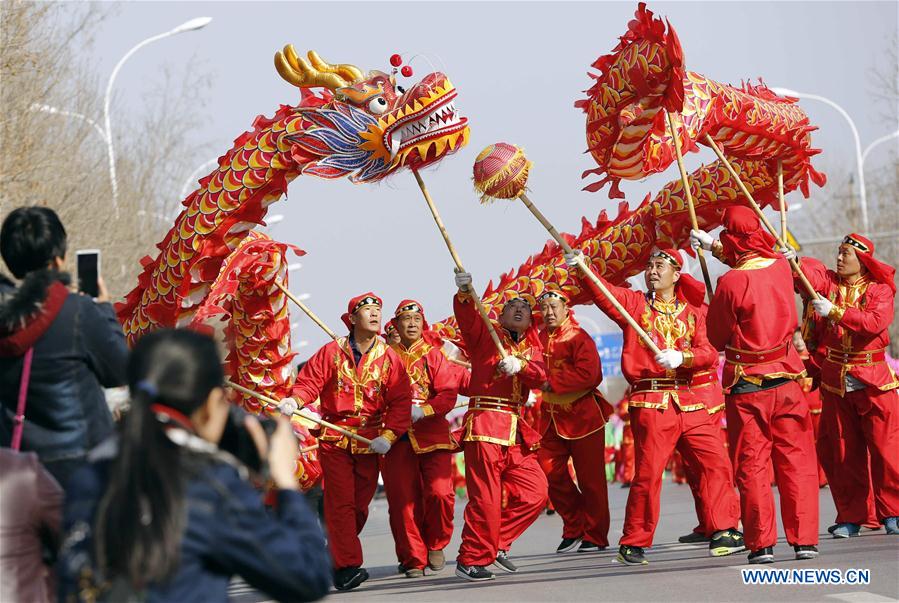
360	301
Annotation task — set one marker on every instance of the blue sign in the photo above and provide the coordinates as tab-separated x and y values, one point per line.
609	346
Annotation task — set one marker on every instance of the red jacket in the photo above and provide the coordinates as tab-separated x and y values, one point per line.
676	325
857	326
435	388
572	406
496	400
752	318
372	399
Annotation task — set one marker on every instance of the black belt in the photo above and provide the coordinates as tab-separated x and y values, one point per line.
746	387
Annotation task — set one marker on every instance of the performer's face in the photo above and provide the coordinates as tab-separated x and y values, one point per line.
554	312
367	319
393	337
660	275
516	316
848	265
409	325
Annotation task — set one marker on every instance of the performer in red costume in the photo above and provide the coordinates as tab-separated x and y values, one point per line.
856	304
418	473
498	446
573	426
751	318
665	412
363	388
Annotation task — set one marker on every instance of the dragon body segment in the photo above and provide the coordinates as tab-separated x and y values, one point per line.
638	83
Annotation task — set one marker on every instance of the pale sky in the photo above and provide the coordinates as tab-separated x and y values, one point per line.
518	67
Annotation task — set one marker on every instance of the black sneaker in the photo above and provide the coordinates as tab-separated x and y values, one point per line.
568	544
631	555
764	555
726	542
504	563
590	547
474	573
806	551
694	538
349	578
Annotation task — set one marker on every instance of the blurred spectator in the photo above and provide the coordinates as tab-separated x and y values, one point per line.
30	510
78	346
162	514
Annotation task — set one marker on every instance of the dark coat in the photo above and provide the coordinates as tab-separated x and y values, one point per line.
77	353
228	532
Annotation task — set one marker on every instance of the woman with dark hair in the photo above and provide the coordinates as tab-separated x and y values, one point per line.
162	514
58	349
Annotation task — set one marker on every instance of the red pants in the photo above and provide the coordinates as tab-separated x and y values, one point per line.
865	422
697	436
816	427
420	501
350	483
488	526
693	479
774	427
583	507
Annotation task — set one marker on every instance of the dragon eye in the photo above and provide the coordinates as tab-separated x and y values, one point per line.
377	105
400	89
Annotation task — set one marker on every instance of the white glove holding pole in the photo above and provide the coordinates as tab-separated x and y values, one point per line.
510	365
822	307
380	445
288	406
788	252
417	413
700	238
463	281
573	259
670	359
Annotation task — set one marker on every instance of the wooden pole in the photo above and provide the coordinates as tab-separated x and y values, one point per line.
780	196
306	309
459	267
689	194
309	448
590	274
758	211
272	402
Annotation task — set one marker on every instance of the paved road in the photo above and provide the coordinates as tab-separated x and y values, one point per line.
676	572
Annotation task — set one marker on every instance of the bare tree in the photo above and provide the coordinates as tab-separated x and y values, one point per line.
59	160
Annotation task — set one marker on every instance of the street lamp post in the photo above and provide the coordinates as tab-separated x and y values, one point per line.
880	140
191	25
54	111
863	200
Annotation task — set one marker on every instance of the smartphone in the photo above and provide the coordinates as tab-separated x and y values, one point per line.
88	271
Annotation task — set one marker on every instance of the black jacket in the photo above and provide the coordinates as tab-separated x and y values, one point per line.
77	353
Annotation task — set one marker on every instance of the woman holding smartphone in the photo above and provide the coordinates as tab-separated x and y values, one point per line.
162	514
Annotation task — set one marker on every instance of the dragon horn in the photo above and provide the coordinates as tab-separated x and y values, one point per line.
315	71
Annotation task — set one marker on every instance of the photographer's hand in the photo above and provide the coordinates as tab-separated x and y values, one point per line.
102	291
282	456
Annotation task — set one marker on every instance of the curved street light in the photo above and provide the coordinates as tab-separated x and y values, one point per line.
54	111
858	144
192	25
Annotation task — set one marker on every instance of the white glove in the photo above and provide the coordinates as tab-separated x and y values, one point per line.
417	413
532	399
288	406
670	359
510	365
700	238
379	445
788	252
463	280
822	307
573	258
310	414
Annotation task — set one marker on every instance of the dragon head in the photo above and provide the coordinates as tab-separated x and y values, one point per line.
366	126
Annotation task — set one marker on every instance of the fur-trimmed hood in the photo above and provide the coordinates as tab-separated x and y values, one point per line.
28	310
